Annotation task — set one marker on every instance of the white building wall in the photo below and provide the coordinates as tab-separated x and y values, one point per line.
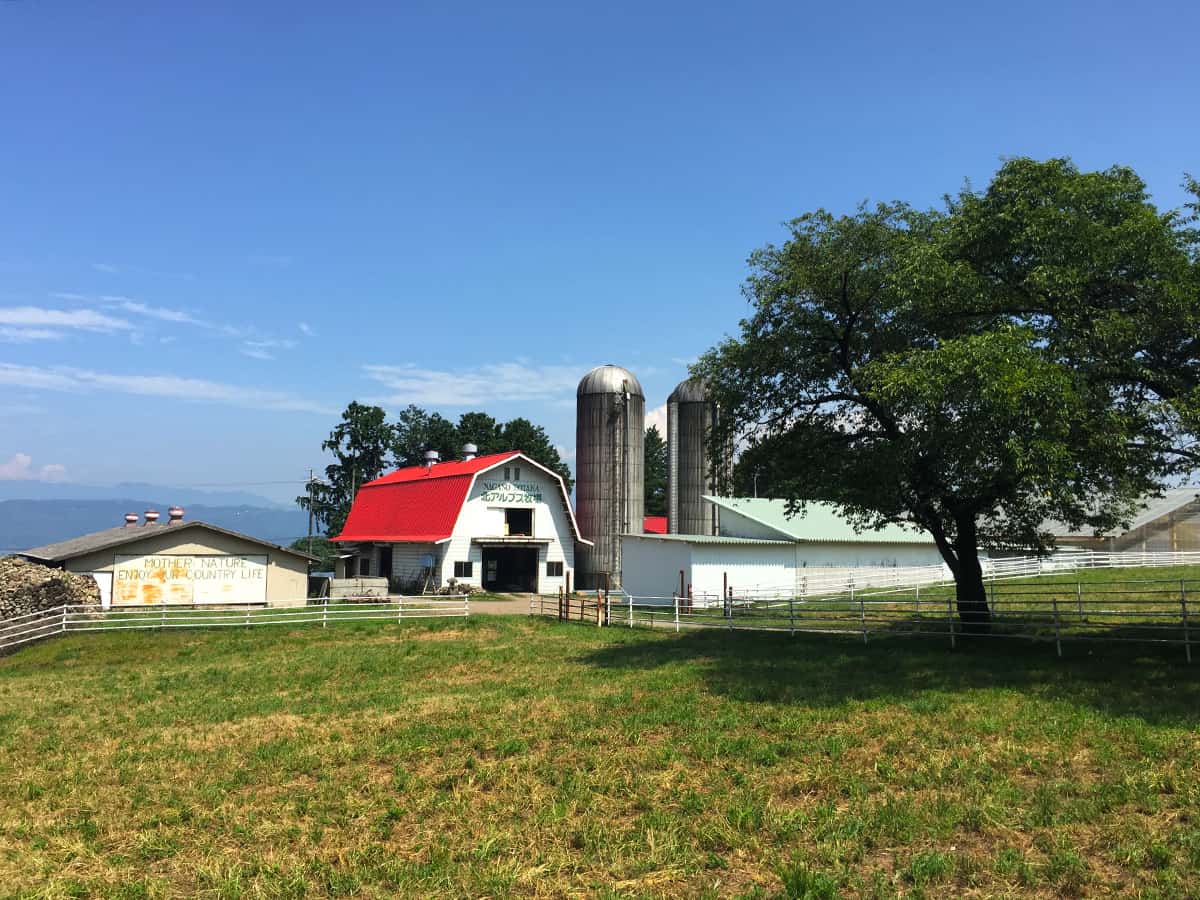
650	566
408	561
748	567
482	516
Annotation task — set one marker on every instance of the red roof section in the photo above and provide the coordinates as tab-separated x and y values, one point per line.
654	525
419	504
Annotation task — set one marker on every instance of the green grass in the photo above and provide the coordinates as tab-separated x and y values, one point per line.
501	756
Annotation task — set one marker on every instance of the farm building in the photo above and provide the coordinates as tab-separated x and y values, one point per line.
180	563
1170	523
501	522
761	547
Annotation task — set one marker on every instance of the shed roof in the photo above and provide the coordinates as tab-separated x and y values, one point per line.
124	534
654	524
1152	509
709	539
821	523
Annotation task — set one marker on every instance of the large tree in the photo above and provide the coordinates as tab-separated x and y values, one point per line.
532	440
655	471
360	444
937	368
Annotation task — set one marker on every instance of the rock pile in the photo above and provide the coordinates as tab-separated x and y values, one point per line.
26	587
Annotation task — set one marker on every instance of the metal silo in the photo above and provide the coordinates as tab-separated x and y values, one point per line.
690	419
609	482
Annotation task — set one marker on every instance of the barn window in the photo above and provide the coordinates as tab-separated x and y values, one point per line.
554	569
518	522
464	569
364	566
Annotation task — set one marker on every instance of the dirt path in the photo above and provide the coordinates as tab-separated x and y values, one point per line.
517	605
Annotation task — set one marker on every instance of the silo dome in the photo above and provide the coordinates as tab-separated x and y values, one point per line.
691	391
609	379
610	421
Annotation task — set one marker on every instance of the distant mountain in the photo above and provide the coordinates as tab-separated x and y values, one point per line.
31	523
163	496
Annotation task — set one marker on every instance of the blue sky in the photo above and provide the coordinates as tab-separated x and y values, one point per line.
221	222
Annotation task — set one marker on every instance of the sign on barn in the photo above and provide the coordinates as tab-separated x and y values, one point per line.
154	580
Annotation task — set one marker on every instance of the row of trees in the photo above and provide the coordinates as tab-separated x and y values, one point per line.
364	445
1029	353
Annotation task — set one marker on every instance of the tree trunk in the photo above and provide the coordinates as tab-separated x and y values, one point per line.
973	610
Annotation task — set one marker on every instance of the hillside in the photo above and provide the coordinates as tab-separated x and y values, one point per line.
31	523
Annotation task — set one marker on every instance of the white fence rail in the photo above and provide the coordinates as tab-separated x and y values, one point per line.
35	626
1054	608
814	583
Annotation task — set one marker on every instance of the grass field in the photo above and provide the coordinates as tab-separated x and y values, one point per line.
500	756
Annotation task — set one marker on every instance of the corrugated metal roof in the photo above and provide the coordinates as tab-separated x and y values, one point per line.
406	511
420	505
448	469
116	537
821	522
708	539
1152	509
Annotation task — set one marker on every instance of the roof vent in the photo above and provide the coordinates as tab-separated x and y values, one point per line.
175	515
431	457
151	516
130	519
469	451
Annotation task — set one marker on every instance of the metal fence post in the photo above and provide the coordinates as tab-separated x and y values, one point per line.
950	619
247	617
162	615
630	610
1187	638
325	613
676	614
63	629
862	616
792	616
1057	628
917	610
1079	599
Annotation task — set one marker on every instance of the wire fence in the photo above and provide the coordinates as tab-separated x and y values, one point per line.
1162	611
21	630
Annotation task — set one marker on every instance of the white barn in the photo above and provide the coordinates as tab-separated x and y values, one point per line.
500	522
761	548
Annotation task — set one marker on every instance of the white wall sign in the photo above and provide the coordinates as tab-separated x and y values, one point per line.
151	580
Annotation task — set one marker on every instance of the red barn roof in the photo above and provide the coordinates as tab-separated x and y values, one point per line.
421	504
654	525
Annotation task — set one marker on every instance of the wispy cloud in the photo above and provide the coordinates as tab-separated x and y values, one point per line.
264	349
79	381
21	468
512	381
307	330
162	313
81	319
10	335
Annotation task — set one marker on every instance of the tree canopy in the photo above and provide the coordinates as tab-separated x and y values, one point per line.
1027	354
655	469
364	445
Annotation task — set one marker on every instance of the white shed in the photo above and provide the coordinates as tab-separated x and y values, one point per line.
761	549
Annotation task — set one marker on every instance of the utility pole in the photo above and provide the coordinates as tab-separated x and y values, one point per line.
310	510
